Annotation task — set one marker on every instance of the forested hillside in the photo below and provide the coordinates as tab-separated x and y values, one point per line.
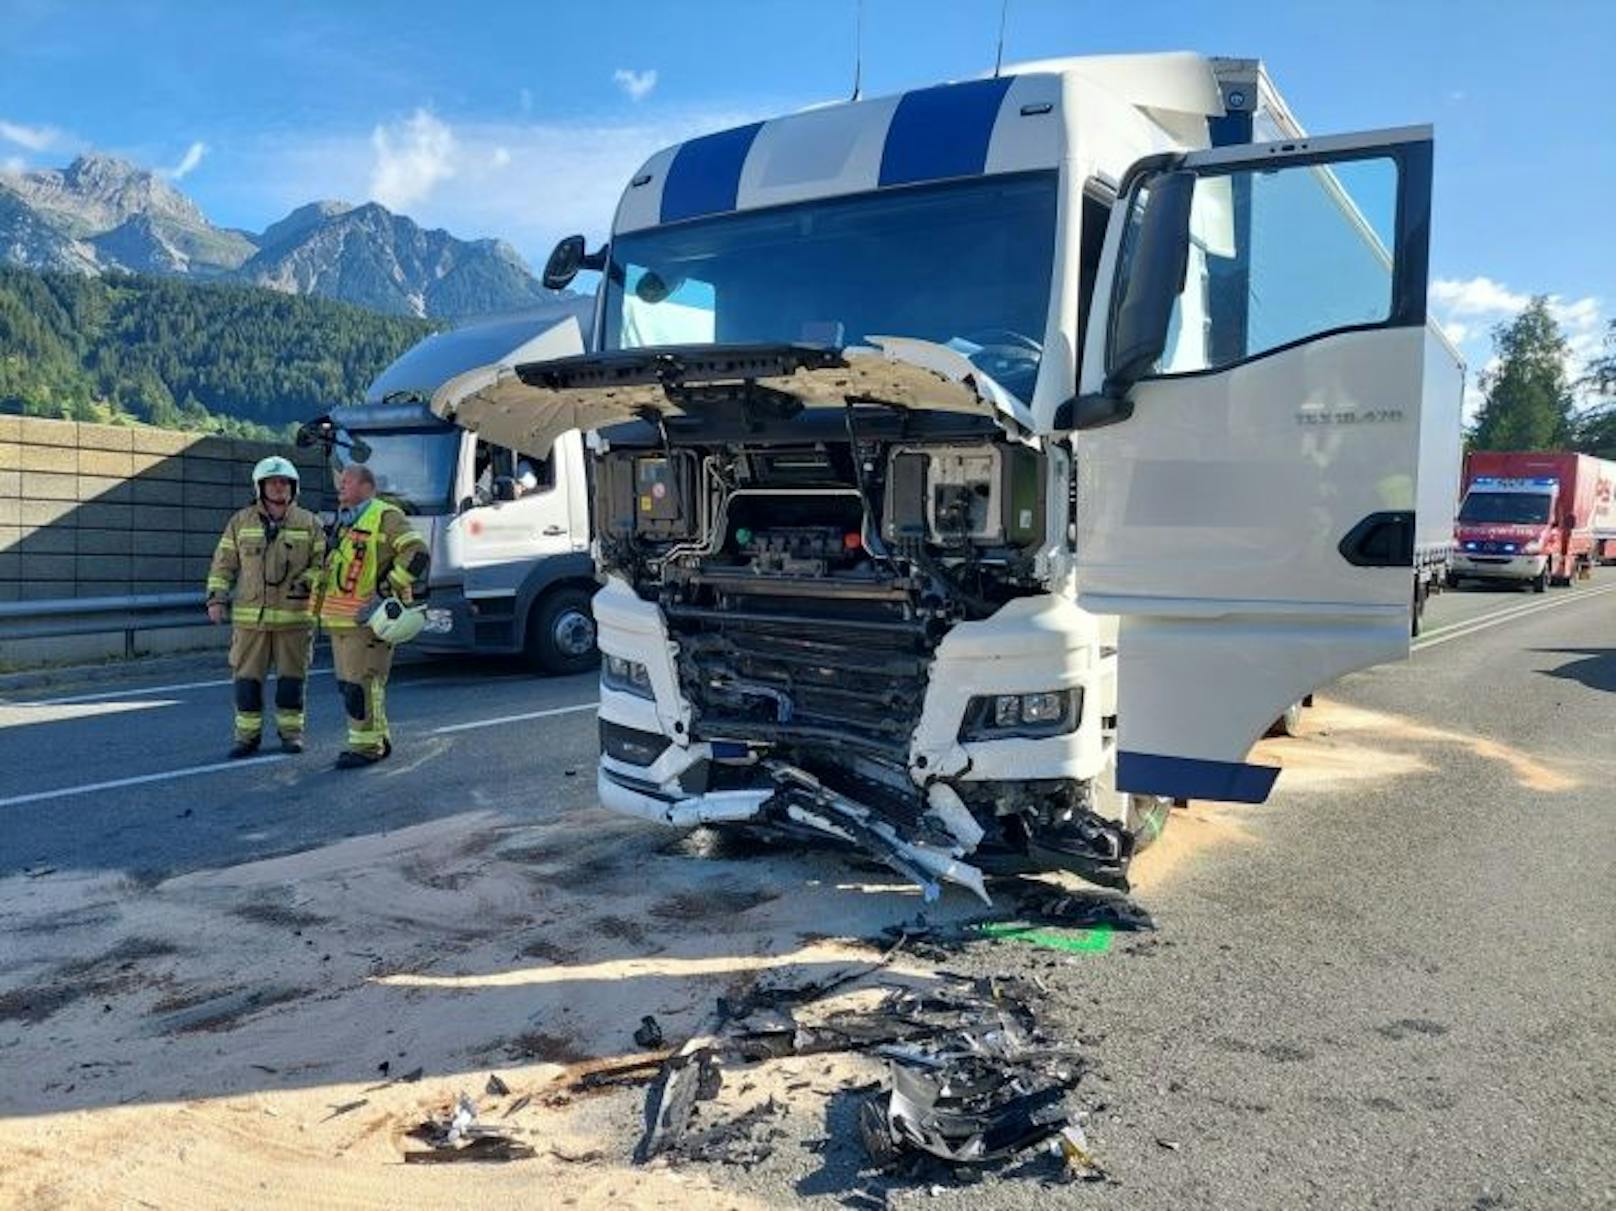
217	358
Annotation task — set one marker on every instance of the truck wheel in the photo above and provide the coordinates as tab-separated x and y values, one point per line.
1290	723
1145	816
560	637
1416	611
1450	580
1541	584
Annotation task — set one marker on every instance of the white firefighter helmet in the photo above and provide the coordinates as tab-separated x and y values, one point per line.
394	622
272	467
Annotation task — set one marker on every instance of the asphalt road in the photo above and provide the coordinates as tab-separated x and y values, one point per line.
116	775
1393	985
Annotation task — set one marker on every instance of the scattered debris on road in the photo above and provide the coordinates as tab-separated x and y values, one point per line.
345	1108
456	1135
648	1034
971	1079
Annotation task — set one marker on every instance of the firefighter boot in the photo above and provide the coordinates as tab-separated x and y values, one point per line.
249	718
289	713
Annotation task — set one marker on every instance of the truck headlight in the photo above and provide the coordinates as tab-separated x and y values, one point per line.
630	676
1531	548
1033	716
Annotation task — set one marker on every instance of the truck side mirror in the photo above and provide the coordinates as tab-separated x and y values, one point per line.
504	488
565	261
1155	279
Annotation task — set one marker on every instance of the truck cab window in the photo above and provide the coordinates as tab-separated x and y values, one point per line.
500	462
1278	256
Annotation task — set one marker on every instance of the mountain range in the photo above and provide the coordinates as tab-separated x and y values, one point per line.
101	213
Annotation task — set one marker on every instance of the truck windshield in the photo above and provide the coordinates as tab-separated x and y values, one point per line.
1504	508
414	468
967	263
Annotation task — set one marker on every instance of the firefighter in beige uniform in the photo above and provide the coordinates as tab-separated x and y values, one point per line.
375	563
265	567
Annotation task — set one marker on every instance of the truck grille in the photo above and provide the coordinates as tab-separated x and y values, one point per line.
846	671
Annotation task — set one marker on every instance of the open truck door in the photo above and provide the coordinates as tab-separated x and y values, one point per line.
1247	440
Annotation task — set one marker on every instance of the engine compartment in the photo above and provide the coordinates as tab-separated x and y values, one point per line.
940	530
807	578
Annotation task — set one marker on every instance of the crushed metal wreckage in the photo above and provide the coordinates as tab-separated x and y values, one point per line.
984	1087
971	1078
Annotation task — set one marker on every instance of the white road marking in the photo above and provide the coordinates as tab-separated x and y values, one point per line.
526	715
108	695
165	776
1459	630
23	714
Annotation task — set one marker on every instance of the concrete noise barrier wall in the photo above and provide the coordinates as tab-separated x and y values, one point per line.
105	510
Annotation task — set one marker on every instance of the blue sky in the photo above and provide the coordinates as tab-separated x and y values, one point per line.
523	120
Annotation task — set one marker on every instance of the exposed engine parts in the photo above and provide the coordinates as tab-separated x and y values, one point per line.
806	582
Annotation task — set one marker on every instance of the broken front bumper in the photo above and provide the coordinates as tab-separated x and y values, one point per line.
656	765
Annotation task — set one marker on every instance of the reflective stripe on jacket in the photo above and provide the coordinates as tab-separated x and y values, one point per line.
268	571
365	553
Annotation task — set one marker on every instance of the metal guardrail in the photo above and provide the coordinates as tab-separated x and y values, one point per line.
66	616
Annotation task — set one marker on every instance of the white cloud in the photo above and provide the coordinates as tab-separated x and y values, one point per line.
188	162
412	159
637	84
1582	322
13	166
560	177
34	138
1476	296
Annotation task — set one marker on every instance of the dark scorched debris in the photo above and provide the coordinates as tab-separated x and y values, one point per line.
973	1080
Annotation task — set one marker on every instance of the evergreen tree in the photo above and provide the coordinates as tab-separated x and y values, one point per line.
210	357
1596	427
1529	394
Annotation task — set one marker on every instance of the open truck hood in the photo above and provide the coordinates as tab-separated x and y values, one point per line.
528	406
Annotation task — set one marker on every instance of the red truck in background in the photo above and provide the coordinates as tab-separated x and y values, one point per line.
1533	518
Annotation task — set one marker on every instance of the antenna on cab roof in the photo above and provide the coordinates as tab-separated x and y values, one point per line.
998	55
858	49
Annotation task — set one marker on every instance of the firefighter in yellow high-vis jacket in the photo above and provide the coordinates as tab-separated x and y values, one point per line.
374	555
265	569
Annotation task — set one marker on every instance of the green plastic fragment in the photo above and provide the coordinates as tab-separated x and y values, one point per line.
1073	941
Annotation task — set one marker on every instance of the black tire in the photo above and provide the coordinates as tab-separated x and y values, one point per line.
1416	611
1541	584
1290	723
1450	580
560	637
1147	818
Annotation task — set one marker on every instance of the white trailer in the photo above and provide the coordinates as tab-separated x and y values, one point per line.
982	469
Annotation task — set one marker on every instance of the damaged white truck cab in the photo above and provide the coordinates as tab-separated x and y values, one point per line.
981	469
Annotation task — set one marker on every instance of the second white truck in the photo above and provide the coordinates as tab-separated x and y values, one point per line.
982	469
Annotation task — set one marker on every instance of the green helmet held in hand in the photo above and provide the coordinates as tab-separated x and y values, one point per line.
394	623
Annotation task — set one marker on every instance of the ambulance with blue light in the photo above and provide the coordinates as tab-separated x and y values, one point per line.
979	471
1532	518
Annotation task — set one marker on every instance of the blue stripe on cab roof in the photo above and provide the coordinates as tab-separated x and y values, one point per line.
706	174
942	132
